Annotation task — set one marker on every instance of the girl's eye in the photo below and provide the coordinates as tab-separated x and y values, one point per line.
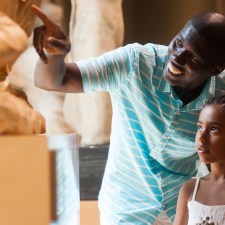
214	129
199	127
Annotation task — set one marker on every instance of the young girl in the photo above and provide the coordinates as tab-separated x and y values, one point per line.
202	201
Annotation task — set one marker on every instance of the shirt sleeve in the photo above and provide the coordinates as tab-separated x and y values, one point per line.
107	72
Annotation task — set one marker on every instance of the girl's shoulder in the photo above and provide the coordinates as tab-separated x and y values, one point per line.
187	188
190	184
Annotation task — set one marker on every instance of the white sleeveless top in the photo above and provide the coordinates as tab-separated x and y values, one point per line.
200	214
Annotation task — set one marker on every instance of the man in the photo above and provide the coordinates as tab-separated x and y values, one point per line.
156	93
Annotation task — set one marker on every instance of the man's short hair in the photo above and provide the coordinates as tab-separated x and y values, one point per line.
211	25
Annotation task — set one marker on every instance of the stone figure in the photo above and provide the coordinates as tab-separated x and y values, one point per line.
71	114
49	104
95	27
16	24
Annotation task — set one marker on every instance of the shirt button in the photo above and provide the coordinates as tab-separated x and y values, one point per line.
163	206
166	137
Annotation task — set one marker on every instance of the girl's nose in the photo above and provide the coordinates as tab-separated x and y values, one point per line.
202	137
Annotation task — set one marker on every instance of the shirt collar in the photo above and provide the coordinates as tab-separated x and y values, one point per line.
207	93
160	84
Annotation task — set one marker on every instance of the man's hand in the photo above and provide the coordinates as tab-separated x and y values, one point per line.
49	37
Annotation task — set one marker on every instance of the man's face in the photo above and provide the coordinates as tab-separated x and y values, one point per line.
191	59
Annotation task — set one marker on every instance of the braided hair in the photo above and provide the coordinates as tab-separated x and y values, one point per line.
218	100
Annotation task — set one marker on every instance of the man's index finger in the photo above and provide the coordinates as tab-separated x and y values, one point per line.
47	22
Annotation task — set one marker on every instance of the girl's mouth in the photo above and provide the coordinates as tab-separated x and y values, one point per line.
202	150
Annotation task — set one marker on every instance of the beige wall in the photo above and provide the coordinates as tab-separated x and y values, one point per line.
158	21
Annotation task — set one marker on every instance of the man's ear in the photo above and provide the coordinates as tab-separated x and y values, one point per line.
217	71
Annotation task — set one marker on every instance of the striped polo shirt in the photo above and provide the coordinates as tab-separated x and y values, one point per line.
152	149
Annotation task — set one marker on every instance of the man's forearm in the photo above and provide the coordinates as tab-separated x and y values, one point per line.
56	75
50	76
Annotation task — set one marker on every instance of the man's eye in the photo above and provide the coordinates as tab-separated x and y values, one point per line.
179	43
194	59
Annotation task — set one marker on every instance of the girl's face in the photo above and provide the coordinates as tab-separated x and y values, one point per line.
210	136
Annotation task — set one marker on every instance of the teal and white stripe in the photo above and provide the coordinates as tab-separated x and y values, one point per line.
152	139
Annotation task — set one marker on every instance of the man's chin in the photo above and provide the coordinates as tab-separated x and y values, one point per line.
166	76
172	80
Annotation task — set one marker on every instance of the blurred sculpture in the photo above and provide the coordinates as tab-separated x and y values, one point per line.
17	22
49	104
11	45
17	117
95	27
16	114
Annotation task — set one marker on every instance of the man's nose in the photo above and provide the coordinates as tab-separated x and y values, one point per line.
180	56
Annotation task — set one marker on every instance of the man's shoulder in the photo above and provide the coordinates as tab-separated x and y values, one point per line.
155	52
157	47
220	81
221	75
149	47
159	50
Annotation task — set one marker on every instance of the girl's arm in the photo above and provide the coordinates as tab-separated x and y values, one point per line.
181	217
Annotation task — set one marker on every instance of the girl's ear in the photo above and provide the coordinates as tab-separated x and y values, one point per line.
217	71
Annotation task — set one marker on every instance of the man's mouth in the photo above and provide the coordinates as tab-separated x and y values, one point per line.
174	71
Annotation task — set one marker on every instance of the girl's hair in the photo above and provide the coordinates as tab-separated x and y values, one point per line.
218	100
